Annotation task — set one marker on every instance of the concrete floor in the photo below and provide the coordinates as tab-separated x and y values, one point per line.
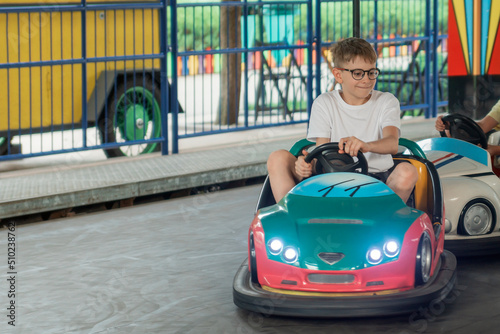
167	267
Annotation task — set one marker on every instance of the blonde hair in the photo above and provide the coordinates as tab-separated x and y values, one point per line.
350	48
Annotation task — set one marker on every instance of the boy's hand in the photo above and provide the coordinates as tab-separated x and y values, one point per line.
302	168
352	145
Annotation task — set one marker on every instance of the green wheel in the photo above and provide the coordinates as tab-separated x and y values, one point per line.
4	145
133	114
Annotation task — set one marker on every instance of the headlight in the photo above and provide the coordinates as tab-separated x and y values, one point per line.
391	248
290	254
374	256
275	246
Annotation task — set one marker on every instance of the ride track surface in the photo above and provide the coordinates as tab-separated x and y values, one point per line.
168	267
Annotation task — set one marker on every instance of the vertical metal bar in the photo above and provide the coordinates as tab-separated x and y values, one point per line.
95	64
310	39
245	59
375	24
105	119
62	78
19	72
41	83
202	64
51	15
105	107
193	59
72	77
125	76
83	13
185	71
356	18
435	61
174	105
153	61
260	105
428	49
212	66
228	67
134	75
8	82
30	76
164	77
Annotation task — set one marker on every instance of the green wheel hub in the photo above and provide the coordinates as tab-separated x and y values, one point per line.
136	122
138	117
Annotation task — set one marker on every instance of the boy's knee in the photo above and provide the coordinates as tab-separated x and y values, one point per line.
407	175
411	173
278	159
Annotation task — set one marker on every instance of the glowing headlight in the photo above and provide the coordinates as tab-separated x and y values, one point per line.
275	246
374	256
391	248
290	254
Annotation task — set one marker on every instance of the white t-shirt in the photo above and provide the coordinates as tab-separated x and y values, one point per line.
331	117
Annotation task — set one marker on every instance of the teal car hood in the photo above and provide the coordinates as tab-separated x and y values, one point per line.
344	213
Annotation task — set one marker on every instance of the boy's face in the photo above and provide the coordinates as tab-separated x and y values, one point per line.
355	92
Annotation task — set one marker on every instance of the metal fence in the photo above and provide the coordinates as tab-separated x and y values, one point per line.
133	77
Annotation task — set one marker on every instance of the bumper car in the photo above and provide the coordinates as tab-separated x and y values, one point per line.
343	244
471	187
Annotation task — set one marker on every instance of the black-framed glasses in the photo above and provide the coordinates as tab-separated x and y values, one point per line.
358	74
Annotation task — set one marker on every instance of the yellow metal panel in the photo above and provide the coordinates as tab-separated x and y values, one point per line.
42	96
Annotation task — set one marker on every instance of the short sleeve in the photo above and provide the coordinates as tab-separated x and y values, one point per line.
391	113
319	122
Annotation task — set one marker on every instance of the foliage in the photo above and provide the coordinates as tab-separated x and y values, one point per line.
198	27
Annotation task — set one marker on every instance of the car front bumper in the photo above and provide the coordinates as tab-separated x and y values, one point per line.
252	297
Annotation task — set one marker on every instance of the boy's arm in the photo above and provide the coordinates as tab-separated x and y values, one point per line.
389	143
321	141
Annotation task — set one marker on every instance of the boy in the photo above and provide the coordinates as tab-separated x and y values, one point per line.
358	117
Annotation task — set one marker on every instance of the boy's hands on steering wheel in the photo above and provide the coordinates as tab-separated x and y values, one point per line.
302	168
352	145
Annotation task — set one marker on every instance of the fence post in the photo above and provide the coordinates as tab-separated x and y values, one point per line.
428	49
174	101
84	72
310	40
164	78
245	59
356	18
435	70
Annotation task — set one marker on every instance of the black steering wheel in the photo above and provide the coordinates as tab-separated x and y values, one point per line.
330	160
464	128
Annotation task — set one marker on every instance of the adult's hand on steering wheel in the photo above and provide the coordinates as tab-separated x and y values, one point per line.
330	160
464	128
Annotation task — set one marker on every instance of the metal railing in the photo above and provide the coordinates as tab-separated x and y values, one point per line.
134	77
